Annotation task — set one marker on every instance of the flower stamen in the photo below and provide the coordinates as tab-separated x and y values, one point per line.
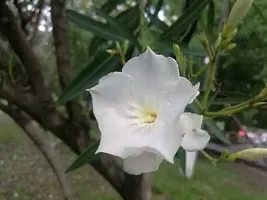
148	117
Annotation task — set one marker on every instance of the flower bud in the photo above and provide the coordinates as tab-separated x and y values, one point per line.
238	12
251	154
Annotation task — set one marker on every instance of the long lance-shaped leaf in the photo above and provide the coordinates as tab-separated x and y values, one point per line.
84	158
115	24
95	27
191	14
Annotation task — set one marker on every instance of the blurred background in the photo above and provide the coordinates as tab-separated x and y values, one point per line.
240	74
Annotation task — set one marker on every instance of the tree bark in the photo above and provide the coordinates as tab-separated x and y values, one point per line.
64	68
17	39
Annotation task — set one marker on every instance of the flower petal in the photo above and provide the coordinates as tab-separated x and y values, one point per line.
113	132
152	74
144	163
195	140
174	103
190	121
113	91
159	138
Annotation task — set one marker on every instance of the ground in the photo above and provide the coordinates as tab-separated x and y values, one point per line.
25	175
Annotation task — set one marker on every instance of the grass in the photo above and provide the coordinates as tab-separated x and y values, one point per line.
24	172
209	183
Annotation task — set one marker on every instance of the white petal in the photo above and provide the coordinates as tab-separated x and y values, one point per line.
195	140
191	158
123	137
113	130
144	163
113	91
190	121
160	138
152	74
174	103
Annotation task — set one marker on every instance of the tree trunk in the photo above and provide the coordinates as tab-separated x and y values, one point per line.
138	187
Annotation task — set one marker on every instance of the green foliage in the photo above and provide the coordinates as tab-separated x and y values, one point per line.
99	67
116	30
84	158
188	17
245	69
97	28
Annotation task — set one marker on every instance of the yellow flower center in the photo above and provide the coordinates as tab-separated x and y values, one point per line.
148	117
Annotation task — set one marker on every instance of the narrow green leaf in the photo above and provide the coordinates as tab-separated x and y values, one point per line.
115	24
89	77
210	125
259	11
185	20
129	19
211	17
84	158
182	159
213	129
97	28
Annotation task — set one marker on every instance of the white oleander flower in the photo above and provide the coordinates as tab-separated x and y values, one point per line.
138	111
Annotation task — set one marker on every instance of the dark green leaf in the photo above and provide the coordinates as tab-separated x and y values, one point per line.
99	67
129	19
259	11
210	125
214	130
185	20
84	158
97	28
115	24
89	77
182	159
211	17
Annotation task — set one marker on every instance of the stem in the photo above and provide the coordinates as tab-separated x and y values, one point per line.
210	158
198	104
122	58
183	68
226	113
209	86
195	76
237	106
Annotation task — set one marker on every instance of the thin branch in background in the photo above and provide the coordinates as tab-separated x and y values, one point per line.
65	70
16	37
39	8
